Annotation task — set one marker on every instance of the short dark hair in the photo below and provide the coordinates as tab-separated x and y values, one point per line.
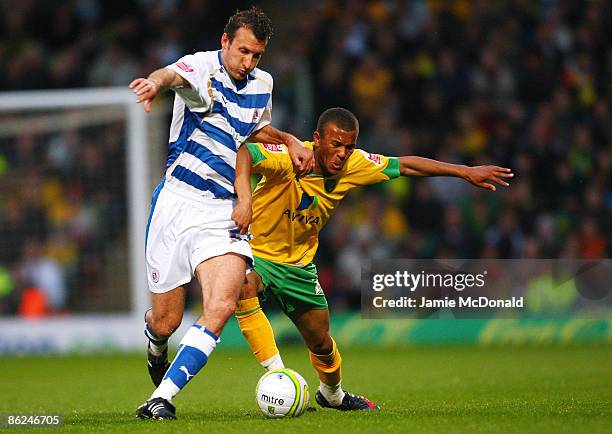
253	19
341	117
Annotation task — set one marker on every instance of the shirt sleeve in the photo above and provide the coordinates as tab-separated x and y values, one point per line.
368	168
195	70
271	161
266	117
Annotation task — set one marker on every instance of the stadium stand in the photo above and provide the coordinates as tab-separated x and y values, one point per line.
522	84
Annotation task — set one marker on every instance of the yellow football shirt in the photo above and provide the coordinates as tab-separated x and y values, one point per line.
289	213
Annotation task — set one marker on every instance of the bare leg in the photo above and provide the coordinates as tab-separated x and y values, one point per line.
221	280
324	356
166	313
252	286
161	321
326	359
314	328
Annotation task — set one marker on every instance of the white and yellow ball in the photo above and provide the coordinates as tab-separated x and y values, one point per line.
282	392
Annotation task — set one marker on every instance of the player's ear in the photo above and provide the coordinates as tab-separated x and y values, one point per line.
317	137
225	40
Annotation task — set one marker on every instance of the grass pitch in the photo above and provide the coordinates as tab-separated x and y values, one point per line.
441	389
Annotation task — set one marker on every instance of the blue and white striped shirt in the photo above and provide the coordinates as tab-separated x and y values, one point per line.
211	119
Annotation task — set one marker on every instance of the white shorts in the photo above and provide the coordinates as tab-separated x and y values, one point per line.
185	230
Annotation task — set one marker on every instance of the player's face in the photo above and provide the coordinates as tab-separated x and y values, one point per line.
241	55
333	148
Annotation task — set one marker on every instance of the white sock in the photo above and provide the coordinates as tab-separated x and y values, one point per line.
274	362
333	394
166	389
156	349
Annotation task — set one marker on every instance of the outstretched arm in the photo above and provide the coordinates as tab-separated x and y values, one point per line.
301	156
242	185
159	80
480	176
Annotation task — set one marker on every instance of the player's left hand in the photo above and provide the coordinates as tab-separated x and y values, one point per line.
485	176
242	215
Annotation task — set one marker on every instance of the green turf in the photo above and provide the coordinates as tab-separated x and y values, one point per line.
446	389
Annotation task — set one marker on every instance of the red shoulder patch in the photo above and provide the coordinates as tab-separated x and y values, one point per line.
275	148
184	66
374	158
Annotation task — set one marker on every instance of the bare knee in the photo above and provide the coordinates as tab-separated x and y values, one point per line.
252	286
248	290
221	310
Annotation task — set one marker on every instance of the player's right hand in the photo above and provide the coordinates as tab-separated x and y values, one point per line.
242	215
146	90
301	156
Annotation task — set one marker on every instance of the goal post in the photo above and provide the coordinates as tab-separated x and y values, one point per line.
119	102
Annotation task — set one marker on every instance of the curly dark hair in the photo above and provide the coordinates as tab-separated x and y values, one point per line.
253	19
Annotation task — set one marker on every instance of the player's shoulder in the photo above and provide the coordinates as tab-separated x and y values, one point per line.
208	58
200	62
270	156
361	160
362	156
274	149
282	148
207	55
262	76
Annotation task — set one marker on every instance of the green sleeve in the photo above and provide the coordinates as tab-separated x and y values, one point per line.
392	170
256	153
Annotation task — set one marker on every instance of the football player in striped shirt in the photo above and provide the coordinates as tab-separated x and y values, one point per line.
289	213
222	100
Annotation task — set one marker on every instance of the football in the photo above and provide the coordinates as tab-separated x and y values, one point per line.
282	392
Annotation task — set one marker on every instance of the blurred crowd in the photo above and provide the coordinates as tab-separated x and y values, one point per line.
524	84
62	219
521	84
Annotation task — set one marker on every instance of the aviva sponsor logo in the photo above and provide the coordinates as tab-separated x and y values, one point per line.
307	203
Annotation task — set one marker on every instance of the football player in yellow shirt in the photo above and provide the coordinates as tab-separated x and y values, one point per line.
287	215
